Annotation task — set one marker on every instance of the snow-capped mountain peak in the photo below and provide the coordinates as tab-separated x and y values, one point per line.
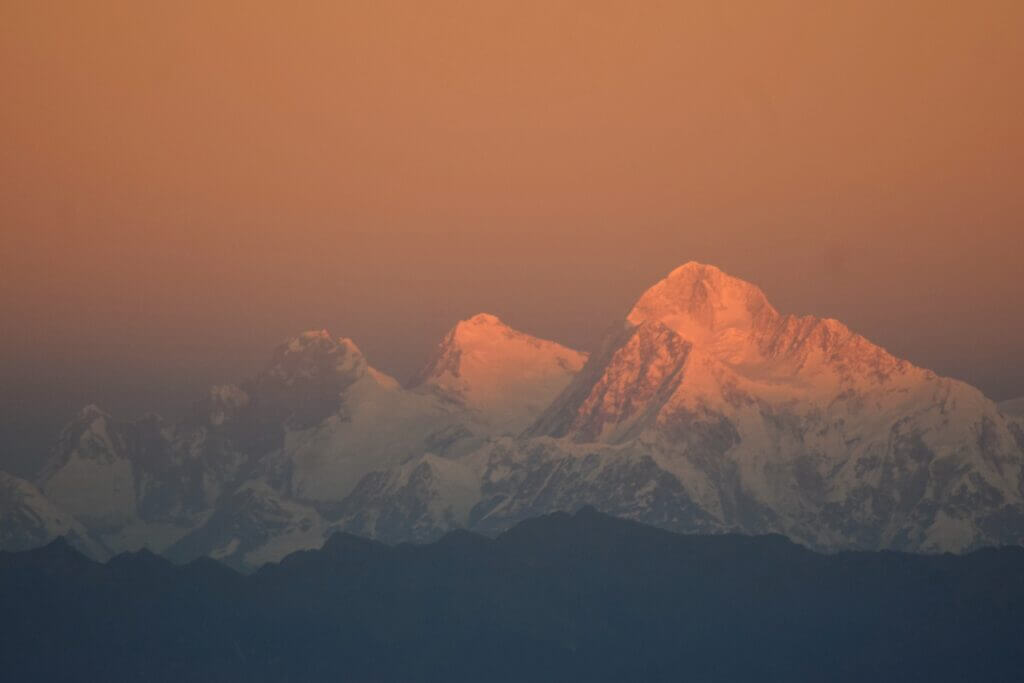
731	321
506	375
88	474
88	436
704	410
741	398
704	305
313	353
480	323
28	519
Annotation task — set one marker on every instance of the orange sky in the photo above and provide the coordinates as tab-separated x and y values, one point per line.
181	187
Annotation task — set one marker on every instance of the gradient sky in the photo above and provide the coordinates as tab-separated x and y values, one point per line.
182	185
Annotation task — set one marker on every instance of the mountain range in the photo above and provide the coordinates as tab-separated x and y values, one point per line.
705	410
581	597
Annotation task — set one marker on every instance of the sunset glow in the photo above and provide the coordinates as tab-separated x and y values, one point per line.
512	340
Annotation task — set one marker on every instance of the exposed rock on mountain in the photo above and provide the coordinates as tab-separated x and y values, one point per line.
705	410
796	424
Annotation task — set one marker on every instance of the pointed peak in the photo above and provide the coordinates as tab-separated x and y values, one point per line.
693	274
315	352
695	269
480	327
697	300
318	338
486	338
481	324
318	341
502	373
483	319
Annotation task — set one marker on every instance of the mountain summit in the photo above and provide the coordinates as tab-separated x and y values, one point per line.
796	424
503	374
704	410
704	305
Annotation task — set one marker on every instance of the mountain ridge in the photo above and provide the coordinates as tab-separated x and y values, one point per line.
566	596
705	409
482	363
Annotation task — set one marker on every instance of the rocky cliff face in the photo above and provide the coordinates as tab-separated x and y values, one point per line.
271	465
796	424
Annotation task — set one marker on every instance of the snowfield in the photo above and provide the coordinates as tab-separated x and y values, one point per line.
706	410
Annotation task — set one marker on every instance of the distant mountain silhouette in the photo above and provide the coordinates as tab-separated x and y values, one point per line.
564	597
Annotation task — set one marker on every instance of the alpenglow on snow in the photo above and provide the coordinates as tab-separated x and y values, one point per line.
706	410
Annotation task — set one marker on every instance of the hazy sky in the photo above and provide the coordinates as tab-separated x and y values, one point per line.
182	185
